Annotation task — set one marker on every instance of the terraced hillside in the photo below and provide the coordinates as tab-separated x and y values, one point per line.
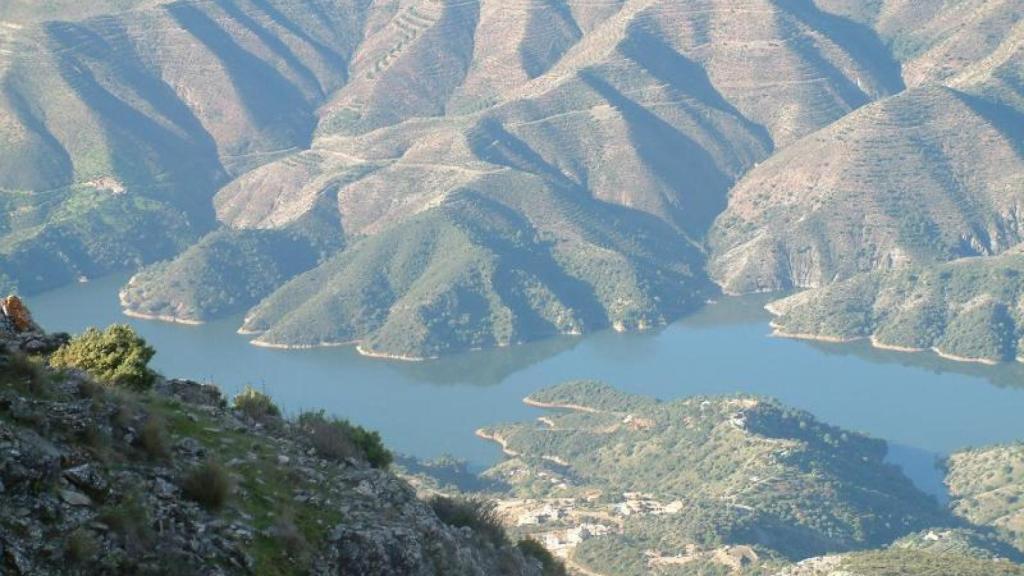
986	485
932	174
646	112
117	129
755	140
835	204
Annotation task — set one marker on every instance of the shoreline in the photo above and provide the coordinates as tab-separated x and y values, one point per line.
161	318
400	357
575	407
273	346
353	344
966	359
893	347
497	439
777	332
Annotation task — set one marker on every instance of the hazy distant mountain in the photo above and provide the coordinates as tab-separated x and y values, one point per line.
452	175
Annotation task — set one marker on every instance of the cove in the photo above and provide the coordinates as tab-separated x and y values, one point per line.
923	405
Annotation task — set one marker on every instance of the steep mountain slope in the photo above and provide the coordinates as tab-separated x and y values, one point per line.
356	117
934	41
927	175
930	175
938	40
650	105
967	309
488	269
986	485
229	271
116	130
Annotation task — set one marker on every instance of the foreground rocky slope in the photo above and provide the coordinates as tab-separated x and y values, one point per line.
101	480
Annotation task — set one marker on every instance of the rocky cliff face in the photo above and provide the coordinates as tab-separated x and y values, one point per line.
94	481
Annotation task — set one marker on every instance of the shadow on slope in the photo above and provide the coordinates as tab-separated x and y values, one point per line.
679	162
859	41
685	76
41	167
274	105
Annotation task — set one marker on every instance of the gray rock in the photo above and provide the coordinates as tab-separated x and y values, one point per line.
74	498
34	346
191	447
87	478
164	489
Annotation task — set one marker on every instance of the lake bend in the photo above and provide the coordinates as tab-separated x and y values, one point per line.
923	405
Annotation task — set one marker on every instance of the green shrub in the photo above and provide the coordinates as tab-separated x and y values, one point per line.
81	546
290	538
23	373
209	485
338	439
256	404
153	438
117	356
129	519
478	514
533	549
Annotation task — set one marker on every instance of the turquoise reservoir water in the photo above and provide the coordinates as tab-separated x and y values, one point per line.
923	405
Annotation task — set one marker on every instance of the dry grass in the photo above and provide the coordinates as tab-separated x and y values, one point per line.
209	485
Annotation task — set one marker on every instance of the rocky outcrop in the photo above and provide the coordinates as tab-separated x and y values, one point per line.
16	316
18	331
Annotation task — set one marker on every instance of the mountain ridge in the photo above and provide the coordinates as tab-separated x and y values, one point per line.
687	114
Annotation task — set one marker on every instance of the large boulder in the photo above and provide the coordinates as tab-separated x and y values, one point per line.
16	316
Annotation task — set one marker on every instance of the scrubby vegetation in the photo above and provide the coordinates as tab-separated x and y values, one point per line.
711	473
472	273
967	309
478	514
338	439
153	437
536	550
23	373
208	484
227	272
168	479
898	562
987	487
117	356
255	404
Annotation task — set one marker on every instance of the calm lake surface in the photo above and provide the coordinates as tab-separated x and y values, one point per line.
922	405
